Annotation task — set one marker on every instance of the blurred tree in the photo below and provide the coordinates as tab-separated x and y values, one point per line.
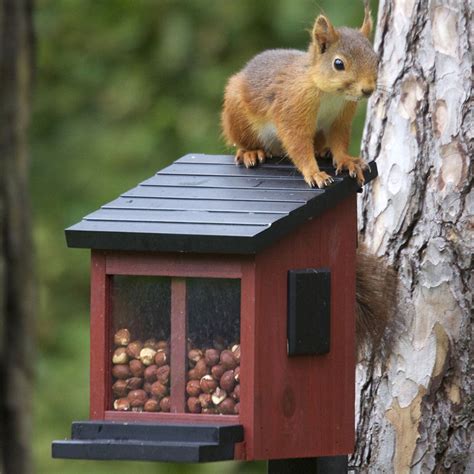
17	331
416	412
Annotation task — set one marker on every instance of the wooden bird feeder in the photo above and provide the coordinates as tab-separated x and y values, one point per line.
222	316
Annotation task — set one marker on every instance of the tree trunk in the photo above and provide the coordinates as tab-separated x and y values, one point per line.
415	414
16	276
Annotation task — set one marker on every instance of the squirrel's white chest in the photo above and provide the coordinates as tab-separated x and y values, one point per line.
330	108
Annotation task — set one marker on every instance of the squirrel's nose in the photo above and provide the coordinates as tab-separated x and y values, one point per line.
367	92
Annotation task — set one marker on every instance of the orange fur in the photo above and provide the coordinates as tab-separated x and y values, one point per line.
297	103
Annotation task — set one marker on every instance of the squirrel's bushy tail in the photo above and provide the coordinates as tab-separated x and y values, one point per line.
376	306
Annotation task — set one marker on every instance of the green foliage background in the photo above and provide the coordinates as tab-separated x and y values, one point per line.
123	88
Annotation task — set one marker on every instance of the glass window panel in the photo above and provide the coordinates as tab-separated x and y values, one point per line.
140	309
213	322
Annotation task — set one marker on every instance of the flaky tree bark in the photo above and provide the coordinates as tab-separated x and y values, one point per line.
415	414
16	279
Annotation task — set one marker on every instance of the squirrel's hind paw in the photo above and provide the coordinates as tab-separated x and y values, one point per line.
319	179
250	158
354	165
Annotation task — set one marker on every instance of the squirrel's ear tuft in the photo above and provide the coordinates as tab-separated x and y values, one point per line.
366	27
323	33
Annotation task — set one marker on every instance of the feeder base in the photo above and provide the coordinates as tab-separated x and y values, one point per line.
149	442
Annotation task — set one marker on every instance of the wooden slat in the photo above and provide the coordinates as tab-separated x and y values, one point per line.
222	194
182	216
198	158
174	265
100	353
230	182
172	417
255	207
171	229
204	169
228	160
178	345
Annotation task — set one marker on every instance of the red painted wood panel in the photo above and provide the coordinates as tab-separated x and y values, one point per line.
178	345
247	360
178	265
100	355
304	405
171	417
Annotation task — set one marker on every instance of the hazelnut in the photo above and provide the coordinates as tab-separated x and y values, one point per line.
193	389
151	343
122	337
147	387
205	400
209	411
147	355
236	393
218	396
151	405
217	371
122	404
165	404
219	343
227	381
236	351
120	356
226	407
227	360
193	405
162	345
161	358
137	369
211	356
137	398
237	374
237	408
201	368
194	355
119	389
163	374
192	375
134	383
159	390
133	349
208	384
121	371
150	373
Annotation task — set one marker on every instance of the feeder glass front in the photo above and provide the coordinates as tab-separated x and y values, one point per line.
175	345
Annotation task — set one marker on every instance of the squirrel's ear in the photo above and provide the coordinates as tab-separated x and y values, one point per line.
324	33
366	27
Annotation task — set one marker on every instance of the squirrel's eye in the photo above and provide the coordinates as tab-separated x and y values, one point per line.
339	64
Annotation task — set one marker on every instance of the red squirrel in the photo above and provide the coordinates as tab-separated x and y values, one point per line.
301	103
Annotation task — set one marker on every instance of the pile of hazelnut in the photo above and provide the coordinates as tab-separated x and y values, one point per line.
213	385
141	372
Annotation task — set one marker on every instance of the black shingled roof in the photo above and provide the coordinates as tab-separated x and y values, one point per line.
204	203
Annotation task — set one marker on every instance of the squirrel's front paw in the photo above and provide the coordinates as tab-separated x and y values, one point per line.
319	179
353	164
250	158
